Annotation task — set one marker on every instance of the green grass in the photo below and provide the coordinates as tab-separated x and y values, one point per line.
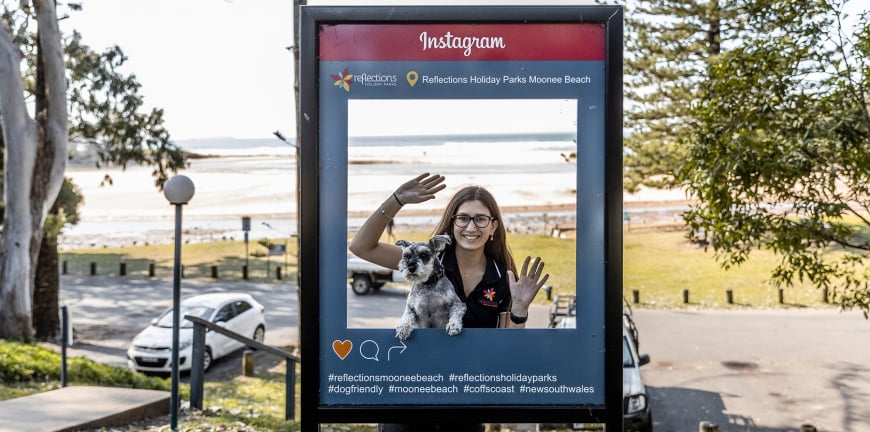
661	264
196	258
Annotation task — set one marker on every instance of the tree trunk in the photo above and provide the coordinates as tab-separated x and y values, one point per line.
46	322
34	162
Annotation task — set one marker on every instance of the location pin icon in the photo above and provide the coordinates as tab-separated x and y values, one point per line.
412	78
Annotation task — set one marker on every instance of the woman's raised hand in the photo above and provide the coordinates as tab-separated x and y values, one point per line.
525	287
420	188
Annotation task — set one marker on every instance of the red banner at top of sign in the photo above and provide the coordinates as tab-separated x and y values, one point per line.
535	41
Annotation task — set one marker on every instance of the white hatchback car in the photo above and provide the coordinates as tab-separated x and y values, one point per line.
151	350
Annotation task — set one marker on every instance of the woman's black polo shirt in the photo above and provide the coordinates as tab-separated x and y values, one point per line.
490	297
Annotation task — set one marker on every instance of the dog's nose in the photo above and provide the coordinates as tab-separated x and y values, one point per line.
412	268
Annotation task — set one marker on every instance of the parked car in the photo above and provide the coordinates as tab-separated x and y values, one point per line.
637	413
365	276
151	349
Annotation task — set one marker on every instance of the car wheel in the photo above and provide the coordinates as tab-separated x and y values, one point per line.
259	334
206	359
361	284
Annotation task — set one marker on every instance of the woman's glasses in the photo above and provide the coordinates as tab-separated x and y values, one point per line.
480	221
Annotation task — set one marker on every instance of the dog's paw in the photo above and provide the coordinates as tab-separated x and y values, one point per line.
403	332
454	329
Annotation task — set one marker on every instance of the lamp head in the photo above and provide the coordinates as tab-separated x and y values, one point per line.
178	190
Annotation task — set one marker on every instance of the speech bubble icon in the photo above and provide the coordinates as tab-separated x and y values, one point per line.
370	353
412	78
342	348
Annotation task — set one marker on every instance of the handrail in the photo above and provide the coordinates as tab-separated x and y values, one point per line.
197	374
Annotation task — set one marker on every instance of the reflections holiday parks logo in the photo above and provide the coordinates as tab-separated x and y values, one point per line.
343	80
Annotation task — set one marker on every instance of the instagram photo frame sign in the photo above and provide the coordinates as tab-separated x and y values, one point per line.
480	94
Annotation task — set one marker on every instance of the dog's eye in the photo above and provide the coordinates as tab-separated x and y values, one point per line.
425	256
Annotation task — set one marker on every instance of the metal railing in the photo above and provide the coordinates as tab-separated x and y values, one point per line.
197	374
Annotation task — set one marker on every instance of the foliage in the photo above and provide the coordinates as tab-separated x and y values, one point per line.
667	44
778	158
26	363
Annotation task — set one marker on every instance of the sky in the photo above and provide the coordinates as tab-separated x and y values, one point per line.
218	68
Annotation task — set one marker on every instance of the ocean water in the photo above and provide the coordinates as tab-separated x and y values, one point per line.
257	178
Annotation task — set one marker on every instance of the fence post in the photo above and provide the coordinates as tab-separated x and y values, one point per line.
122	269
197	374
150	269
729	296
278	272
248	363
685	295
781	294
63	267
824	294
290	390
64	341
245	272
214	272
708	426
635	296
93	268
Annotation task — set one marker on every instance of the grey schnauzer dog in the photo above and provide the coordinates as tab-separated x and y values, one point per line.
432	302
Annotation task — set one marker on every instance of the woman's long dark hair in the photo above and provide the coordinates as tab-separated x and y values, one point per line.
496	249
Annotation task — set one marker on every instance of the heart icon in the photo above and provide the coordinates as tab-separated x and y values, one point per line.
342	348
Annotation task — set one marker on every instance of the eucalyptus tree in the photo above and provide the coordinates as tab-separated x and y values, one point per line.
779	154
103	111
35	147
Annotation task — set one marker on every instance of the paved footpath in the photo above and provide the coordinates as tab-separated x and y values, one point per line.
757	370
74	408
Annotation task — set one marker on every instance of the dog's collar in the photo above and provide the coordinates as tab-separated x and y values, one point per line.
438	274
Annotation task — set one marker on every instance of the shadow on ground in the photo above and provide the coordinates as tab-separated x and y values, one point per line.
683	409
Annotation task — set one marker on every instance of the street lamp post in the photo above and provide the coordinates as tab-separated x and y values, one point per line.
178	190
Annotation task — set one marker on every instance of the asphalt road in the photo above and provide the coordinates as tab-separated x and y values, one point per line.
757	370
745	370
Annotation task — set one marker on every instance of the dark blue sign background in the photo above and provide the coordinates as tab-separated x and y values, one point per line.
480	366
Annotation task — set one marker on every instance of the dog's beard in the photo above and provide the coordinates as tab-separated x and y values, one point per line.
416	271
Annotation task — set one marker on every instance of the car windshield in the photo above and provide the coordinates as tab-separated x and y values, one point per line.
627	359
203	312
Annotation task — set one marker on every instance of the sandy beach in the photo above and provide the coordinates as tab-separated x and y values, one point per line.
534	186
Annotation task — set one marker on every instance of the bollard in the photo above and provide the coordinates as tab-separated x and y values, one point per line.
278	272
635	296
824	294
248	363
64	342
122	269
63	267
93	268
729	296
549	290
781	295
245	272
708	426
808	428
182	271
685	296
214	273
150	269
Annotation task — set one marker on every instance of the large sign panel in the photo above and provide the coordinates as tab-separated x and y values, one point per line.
524	101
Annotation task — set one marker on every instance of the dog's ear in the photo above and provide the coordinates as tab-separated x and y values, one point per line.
402	243
439	242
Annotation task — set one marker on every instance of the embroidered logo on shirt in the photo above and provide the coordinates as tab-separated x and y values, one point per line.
488	299
489	294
